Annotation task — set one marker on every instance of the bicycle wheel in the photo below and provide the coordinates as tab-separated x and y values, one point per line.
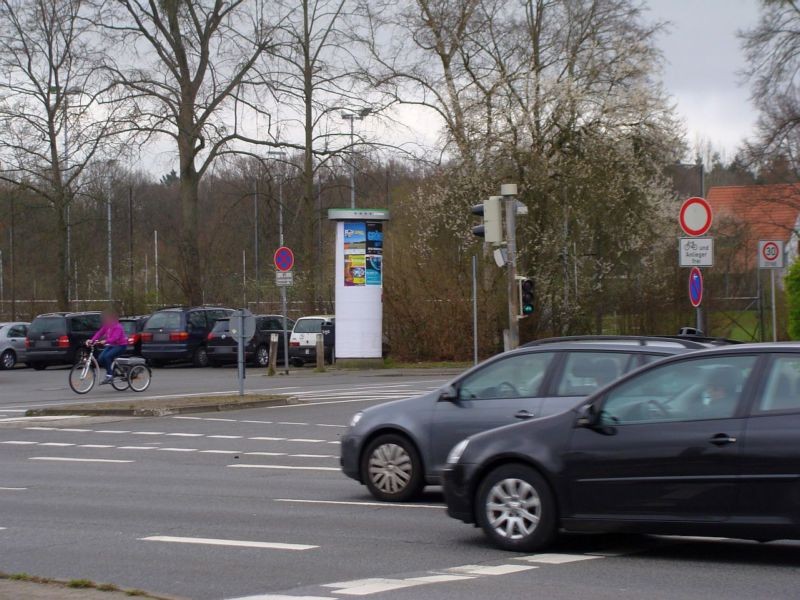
82	377
120	380
139	378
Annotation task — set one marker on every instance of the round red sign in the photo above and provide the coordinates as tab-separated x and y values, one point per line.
695	216
283	259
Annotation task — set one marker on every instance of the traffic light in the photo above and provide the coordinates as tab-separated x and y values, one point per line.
526	296
492	212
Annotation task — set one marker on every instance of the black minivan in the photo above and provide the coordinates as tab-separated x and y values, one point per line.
57	338
222	346
180	334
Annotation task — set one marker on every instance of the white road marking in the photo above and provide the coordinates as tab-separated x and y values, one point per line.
137	448
64	459
290	423
12	489
265	453
260	422
220	451
555	559
268	439
490	570
42	428
329	425
284	467
313	456
307	440
95	446
57	444
178	449
282	597
75	430
111	431
186	434
225	437
355	503
19	443
367	587
147	432
235	543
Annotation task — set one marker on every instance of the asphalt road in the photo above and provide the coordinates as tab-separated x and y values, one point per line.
251	504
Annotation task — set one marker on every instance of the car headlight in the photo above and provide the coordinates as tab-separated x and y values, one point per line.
356	418
457	452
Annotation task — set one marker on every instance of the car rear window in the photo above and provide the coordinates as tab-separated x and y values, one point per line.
221	326
129	327
308	326
164	320
48	325
86	323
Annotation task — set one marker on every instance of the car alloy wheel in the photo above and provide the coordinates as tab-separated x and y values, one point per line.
516	508
8	360
391	468
513	509
262	357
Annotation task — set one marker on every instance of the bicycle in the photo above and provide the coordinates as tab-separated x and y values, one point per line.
131	372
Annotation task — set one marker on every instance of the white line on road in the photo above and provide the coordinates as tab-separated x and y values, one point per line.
56	444
94	446
490	570
19	443
282	597
285	467
307	440
225	437
12	489
220	452
265	453
186	434
268	439
147	432
112	431
236	543
64	459
290	423
313	456
137	448
178	449
555	559
354	503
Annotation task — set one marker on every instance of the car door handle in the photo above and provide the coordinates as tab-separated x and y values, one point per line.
524	414
722	439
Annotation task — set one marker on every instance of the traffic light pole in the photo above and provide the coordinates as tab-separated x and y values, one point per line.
509	192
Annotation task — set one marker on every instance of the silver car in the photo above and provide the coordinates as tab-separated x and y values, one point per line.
12	344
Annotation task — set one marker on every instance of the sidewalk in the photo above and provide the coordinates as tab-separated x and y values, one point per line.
15	590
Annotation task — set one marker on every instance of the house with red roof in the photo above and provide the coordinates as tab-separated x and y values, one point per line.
745	214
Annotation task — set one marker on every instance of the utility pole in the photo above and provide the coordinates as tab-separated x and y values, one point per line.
284	308
108	250
509	192
155	246
11	261
255	241
130	246
352	117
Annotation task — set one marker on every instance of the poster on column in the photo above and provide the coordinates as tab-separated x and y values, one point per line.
374	275
355	253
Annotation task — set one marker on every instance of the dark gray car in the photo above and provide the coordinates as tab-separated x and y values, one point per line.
395	449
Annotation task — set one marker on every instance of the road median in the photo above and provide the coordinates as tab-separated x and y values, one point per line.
165	405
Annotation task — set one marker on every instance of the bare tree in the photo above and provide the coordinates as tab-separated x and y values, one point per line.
194	72
55	116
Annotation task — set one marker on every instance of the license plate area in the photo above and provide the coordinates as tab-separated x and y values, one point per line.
161	337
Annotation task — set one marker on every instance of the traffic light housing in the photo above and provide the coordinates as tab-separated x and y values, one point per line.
526	289
492	212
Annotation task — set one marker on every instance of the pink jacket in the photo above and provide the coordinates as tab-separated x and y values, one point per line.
113	334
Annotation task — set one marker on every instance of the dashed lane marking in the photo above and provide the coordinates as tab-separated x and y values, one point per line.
354	503
556	559
490	570
225	437
95	446
12	489
283	467
260	438
137	448
66	459
220	452
56	444
388	585
234	543
306	440
19	443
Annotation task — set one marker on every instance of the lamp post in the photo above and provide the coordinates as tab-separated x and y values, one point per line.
352	117
282	156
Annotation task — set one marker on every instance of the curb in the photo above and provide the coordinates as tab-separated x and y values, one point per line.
86	410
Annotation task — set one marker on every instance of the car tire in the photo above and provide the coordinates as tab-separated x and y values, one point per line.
517	492
392	469
8	360
200	357
37	366
261	357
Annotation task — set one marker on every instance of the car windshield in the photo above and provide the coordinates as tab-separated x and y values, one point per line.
221	326
308	326
164	320
48	325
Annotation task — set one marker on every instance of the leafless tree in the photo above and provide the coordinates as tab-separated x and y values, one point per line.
194	72
55	115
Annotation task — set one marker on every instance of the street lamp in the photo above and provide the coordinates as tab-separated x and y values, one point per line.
353	117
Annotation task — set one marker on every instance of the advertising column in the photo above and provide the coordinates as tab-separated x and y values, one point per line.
359	282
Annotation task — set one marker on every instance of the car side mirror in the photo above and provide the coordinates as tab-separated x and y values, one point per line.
587	416
449	394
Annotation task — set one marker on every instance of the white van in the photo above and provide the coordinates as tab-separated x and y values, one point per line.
303	341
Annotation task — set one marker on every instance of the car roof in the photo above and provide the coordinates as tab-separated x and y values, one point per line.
325	317
69	314
686	341
604	346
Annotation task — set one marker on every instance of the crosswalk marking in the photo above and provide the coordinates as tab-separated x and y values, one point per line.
556	559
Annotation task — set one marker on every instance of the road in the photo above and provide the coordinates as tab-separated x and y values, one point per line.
252	504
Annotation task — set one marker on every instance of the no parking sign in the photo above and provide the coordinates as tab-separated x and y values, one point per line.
695	287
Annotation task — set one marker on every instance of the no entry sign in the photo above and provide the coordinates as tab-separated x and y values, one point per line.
695	216
695	287
283	259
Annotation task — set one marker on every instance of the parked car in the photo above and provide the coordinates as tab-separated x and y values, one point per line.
303	341
180	334
59	338
396	448
133	327
223	347
12	344
701	444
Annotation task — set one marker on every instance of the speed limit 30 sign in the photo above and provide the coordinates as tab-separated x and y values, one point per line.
770	254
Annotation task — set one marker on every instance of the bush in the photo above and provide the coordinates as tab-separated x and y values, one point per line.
793	300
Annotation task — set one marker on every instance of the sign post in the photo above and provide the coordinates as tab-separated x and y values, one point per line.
771	256
695	219
284	263
242	327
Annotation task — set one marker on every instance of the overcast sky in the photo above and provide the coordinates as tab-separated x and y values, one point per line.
703	60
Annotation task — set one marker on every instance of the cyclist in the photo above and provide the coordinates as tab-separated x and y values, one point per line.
112	334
